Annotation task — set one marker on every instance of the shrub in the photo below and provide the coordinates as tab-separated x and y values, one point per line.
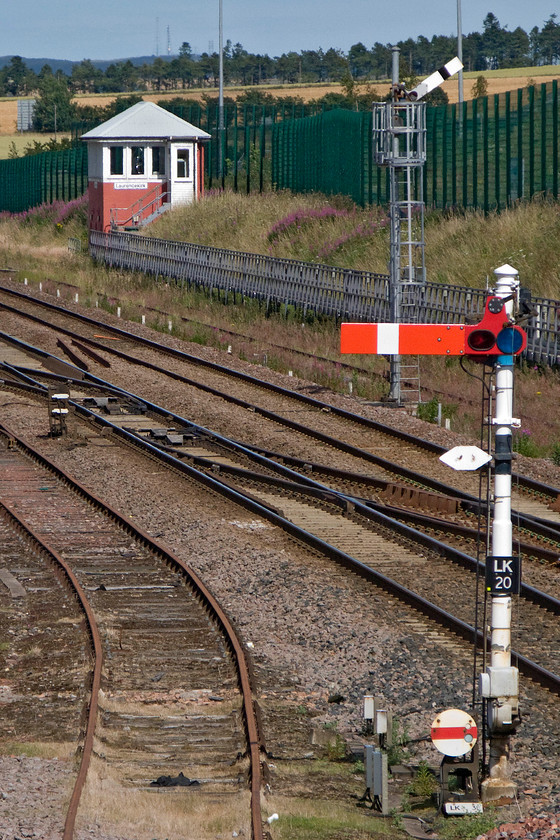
397	754
525	445
294	221
555	454
57	213
424	783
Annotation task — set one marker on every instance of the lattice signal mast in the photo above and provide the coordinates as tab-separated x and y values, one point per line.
399	142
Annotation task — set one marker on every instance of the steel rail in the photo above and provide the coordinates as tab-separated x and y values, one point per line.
95	641
532	524
432	611
441	617
520	479
297	483
254	739
538	526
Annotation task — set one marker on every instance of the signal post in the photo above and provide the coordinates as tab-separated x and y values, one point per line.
496	340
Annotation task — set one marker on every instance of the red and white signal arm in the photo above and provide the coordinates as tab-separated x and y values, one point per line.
493	336
454	732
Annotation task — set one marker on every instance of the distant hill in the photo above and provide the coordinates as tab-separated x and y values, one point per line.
36	64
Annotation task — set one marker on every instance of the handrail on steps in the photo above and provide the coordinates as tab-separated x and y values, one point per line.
137	208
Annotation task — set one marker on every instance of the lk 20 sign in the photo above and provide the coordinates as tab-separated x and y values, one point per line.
503	576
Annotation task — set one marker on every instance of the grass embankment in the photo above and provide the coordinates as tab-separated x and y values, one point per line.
460	249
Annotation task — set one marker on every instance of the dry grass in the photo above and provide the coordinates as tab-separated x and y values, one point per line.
247	223
329	819
460	249
63	750
175	813
465	249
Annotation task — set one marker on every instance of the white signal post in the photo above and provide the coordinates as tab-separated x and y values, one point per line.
499	684
496	339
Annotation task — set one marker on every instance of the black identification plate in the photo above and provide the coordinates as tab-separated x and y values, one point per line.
503	576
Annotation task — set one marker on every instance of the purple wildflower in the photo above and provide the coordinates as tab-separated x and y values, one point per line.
300	217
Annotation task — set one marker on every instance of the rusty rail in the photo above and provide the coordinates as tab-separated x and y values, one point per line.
95	640
254	740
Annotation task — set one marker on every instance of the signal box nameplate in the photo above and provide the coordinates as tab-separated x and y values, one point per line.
503	576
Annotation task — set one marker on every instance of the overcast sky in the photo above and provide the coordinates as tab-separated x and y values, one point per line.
109	29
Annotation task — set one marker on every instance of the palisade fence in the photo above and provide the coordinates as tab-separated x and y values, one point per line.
486	154
239	157
343	294
41	179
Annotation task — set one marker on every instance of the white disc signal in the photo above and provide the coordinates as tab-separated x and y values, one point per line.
454	732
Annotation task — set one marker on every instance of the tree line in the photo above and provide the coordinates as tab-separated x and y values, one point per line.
493	48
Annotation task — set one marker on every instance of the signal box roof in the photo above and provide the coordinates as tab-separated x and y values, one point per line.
146	121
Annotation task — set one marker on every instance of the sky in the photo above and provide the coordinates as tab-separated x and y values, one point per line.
113	29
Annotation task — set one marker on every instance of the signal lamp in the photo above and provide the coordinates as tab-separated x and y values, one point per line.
509	341
481	341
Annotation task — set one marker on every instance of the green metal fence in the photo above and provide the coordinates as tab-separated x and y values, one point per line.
41	179
494	151
328	153
486	154
239	156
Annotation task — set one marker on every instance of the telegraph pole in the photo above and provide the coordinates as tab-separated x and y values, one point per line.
221	88
460	53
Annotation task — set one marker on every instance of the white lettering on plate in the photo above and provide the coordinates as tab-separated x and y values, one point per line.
130	185
463	807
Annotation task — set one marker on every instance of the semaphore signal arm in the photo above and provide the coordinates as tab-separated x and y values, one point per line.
495	335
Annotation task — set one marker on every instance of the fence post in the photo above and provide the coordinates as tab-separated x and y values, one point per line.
465	125
531	141
454	155
434	157
262	153
497	162
475	152
209	155
508	147
485	133
555	138
248	157
235	146
543	139
520	167
444	154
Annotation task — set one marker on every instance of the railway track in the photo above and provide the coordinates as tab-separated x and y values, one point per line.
386	491
413	564
346	528
359	439
164	641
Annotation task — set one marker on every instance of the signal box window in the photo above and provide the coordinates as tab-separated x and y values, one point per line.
183	163
137	167
117	160
158	160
